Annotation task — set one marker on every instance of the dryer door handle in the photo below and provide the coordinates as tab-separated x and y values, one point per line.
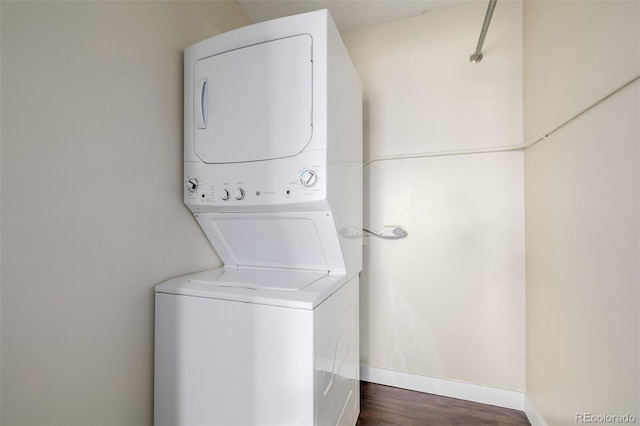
201	97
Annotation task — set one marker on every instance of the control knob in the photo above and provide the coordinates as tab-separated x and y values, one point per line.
225	195
308	178
192	184
238	194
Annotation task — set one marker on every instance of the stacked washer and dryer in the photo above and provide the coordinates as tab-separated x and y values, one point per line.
273	175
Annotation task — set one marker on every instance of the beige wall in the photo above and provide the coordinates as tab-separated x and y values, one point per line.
92	216
448	301
421	92
92	91
582	210
575	52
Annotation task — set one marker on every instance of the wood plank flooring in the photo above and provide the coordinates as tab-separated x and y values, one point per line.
384	405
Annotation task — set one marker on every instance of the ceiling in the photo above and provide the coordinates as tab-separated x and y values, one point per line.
348	14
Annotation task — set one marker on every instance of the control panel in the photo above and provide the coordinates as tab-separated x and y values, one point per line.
209	187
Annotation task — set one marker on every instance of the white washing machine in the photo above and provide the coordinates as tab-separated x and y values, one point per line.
273	175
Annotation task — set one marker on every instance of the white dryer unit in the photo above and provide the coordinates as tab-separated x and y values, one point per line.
273	175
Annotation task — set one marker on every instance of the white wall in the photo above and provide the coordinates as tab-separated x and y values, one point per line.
92	216
582	210
448	301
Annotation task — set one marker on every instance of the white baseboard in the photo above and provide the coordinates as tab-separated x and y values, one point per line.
446	387
532	413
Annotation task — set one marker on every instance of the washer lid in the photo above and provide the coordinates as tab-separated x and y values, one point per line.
288	240
289	288
259	279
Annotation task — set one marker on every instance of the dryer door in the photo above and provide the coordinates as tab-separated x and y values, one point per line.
254	103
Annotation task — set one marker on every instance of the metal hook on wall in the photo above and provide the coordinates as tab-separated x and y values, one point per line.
389	233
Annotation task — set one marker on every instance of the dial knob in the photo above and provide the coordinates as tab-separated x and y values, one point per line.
192	184
308	178
225	195
238	194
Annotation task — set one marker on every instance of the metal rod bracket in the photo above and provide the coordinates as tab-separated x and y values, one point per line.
477	55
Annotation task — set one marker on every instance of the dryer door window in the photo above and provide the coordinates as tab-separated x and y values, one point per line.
254	103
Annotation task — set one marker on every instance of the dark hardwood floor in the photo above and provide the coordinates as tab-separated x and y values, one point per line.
384	405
